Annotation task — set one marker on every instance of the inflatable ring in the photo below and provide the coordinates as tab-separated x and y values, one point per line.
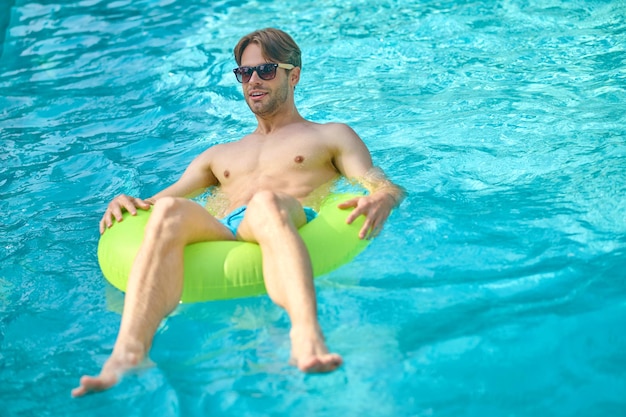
232	269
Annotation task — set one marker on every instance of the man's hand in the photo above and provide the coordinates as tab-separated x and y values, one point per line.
117	206
376	209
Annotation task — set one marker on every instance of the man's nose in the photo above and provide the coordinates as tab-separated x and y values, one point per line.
254	78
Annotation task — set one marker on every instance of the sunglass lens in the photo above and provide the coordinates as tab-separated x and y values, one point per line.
243	74
246	73
267	71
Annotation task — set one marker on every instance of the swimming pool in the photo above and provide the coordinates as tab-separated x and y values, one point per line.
498	288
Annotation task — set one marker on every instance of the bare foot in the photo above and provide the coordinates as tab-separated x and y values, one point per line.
113	370
310	354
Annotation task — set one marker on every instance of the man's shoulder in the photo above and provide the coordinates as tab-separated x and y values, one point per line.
330	125
334	130
228	145
216	151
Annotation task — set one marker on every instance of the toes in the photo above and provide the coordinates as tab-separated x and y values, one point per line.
321	364
79	391
90	384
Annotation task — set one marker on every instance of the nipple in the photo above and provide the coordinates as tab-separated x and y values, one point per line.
226	173
299	159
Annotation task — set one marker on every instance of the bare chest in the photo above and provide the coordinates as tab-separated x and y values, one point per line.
274	160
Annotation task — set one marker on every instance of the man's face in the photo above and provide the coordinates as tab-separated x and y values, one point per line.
263	97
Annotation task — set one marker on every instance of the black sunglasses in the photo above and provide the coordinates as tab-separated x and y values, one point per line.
265	71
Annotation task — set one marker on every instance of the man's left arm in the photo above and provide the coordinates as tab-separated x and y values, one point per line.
353	160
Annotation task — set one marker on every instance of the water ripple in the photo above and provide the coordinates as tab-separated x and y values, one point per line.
503	120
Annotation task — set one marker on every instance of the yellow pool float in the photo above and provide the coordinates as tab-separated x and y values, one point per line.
232	269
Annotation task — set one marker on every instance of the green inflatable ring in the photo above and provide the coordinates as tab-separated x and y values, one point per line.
232	269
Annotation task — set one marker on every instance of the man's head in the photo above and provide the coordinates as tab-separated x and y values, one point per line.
269	71
276	46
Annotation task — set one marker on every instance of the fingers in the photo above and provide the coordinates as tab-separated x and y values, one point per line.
370	229
375	215
102	226
116	208
353	203
350	203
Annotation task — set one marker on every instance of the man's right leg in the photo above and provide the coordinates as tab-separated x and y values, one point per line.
273	220
155	284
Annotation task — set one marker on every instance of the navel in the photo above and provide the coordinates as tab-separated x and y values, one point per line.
226	173
299	159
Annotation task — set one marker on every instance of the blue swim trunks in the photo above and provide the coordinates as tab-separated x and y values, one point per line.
234	218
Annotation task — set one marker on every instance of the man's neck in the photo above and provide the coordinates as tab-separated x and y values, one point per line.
271	123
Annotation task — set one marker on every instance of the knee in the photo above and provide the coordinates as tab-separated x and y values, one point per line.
265	208
165	218
267	200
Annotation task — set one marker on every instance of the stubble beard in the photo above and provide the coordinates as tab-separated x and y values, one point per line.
276	99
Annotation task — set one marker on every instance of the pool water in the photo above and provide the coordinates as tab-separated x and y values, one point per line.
498	288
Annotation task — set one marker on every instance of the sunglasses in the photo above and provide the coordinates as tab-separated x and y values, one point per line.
264	71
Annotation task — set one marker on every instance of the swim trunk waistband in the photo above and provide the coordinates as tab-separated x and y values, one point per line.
234	218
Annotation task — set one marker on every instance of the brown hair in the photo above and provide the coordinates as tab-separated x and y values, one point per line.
275	45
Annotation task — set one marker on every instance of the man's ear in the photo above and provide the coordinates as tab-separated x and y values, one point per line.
294	76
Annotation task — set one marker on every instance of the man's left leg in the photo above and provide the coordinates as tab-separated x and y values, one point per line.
272	220
155	284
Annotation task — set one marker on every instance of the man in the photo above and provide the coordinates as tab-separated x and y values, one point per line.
267	177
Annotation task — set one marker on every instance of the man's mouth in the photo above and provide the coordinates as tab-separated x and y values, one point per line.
256	95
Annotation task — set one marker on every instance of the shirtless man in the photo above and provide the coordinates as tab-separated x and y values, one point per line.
272	171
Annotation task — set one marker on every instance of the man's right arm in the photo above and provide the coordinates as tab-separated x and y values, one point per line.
353	160
197	177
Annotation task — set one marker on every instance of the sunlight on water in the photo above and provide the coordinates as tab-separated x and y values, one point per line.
497	288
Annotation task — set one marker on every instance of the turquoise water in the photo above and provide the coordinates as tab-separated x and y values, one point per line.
497	289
